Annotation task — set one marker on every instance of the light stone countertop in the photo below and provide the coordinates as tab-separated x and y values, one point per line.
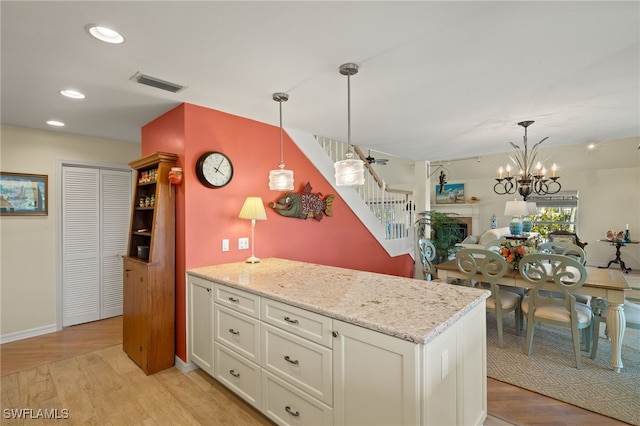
409	309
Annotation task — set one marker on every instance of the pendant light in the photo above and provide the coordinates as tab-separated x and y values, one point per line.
349	172
281	179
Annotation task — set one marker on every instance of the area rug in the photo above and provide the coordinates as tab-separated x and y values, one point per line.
550	370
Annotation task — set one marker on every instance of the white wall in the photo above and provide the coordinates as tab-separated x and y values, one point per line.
28	244
607	179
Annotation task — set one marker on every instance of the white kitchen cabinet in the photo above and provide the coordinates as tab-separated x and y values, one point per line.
200	330
307	362
376	378
455	373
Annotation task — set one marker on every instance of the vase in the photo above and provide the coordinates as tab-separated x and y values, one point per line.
515	227
527	224
516	266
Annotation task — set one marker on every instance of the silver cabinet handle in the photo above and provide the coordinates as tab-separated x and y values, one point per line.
233	373
234	300
232	331
291	321
335	334
293	413
291	361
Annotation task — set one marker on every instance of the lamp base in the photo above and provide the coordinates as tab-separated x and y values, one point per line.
252	259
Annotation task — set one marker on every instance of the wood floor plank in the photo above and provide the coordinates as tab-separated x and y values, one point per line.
84	369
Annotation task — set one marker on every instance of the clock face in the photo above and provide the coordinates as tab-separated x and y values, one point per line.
214	169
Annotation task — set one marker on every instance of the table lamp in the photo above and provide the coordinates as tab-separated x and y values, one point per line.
253	208
527	224
516	209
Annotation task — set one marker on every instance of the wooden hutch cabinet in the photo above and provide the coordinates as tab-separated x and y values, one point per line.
149	267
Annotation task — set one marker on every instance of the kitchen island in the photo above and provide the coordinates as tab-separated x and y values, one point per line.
314	344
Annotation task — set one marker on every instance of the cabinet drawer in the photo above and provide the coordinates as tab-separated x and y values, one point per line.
238	374
287	405
238	300
311	326
300	362
238	332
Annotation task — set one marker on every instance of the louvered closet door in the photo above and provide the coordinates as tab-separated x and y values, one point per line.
81	245
95	225
115	200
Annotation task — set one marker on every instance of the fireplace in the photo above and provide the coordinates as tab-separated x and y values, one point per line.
465	226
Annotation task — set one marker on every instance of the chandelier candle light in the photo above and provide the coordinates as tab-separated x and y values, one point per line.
528	180
281	179
349	172
253	208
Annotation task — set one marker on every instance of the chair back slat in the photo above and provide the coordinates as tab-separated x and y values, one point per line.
472	261
565	248
567	275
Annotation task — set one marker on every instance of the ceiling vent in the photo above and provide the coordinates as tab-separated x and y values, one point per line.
156	82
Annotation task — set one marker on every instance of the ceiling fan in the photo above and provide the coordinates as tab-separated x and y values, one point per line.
381	161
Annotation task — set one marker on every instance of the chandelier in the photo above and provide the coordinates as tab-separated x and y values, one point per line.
530	179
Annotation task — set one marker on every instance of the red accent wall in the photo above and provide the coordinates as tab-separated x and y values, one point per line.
205	216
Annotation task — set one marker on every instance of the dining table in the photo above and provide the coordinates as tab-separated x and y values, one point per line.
602	283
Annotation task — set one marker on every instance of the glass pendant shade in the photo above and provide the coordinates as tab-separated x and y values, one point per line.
349	172
281	179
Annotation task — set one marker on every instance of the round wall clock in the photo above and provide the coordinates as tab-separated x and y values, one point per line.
214	169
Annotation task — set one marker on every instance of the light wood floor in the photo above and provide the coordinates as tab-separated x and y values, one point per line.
83	369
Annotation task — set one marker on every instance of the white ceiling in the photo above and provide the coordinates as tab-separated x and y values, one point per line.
437	80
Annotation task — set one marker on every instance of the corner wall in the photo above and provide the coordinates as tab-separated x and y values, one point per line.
205	216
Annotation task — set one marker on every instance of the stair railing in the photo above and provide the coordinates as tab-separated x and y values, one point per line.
394	208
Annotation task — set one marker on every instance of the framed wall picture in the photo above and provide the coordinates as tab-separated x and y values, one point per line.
450	193
23	194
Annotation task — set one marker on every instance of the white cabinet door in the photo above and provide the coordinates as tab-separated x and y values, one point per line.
455	373
200	323
376	378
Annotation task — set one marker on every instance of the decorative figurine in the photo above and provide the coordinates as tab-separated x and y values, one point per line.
304	204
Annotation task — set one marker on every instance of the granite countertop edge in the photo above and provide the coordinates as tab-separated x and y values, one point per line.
403	329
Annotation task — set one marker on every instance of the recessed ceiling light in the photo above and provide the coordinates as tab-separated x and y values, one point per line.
74	94
55	123
105	34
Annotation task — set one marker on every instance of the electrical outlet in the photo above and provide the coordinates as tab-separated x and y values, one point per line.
225	245
243	243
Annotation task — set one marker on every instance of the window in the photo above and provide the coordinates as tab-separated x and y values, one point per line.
557	211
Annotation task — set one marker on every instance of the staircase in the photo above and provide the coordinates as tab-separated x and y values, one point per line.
386	212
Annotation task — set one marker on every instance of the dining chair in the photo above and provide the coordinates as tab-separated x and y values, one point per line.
427	255
562	275
567	248
492	266
631	313
494	245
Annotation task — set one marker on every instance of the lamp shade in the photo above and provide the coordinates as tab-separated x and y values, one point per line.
532	207
253	208
349	172
281	180
516	208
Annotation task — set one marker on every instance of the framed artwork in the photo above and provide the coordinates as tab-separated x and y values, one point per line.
23	194
450	193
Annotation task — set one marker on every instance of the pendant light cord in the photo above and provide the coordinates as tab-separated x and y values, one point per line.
281	150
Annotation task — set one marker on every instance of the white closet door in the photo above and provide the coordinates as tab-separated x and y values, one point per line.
81	245
115	200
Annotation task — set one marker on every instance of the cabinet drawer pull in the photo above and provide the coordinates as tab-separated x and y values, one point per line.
293	413
233	373
232	331
291	361
291	321
234	300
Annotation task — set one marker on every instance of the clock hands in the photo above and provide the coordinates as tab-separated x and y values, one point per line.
217	169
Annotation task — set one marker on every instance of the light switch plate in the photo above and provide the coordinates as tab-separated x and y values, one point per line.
243	243
225	245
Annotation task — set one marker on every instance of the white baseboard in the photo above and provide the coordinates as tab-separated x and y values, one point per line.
185	367
25	334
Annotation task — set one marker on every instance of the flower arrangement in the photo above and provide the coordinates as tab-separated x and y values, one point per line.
514	250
